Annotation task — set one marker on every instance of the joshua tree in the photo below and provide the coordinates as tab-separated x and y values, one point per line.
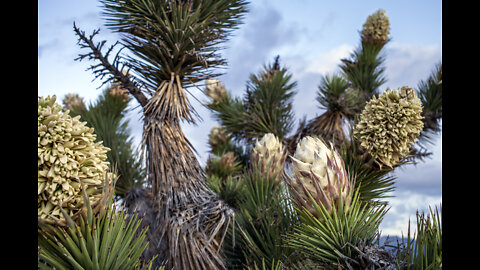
172	45
78	226
265	108
329	203
310	201
344	95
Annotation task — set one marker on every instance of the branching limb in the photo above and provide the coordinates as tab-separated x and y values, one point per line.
105	68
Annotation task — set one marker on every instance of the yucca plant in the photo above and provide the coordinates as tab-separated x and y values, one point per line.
423	249
78	227
376	29
226	158
364	69
264	217
265	108
73	102
331	239
230	189
268	158
334	223
225	166
110	241
318	176
173	45
343	95
265	214
340	102
371	182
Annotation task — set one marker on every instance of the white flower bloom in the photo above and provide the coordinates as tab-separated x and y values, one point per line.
320	170
311	156
269	143
268	154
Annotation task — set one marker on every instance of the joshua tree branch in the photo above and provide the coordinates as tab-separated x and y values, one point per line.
105	67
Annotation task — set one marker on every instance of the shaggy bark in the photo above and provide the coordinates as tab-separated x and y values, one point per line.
187	220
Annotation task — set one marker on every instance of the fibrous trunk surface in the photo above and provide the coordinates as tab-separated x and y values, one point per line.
191	220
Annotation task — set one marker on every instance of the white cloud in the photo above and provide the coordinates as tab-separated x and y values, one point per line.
328	62
403	208
407	64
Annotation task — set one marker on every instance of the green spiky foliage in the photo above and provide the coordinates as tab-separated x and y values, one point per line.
276	265
177	36
340	102
265	108
109	241
364	69
107	115
264	218
371	182
423	250
224	167
264	214
331	241
429	91
172	44
230	189
221	143
335	95
223	177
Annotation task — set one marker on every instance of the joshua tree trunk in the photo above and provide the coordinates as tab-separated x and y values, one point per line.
190	220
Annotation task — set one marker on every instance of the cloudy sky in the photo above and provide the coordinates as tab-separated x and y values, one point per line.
311	37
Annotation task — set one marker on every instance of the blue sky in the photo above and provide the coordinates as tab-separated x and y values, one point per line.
310	36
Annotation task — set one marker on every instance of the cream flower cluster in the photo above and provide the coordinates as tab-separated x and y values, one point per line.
377	27
67	155
390	124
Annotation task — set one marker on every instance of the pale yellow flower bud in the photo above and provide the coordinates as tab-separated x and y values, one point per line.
215	90
318	170
377	28
268	156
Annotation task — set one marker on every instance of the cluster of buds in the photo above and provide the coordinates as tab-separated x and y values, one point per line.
215	90
389	125
223	166
73	101
228	162
218	136
68	158
377	28
319	177
116	89
268	158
